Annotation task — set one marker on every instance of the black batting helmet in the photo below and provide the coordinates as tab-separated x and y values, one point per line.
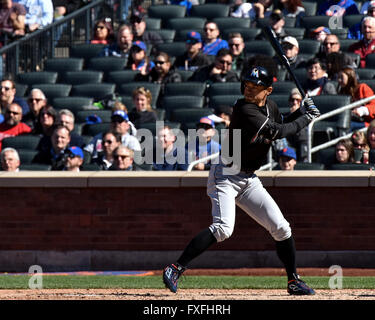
257	75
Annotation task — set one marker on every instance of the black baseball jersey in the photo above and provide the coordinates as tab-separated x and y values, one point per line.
259	127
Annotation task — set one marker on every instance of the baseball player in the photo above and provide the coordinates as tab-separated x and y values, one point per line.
260	123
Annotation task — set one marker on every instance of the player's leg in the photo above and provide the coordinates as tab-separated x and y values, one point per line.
222	195
258	204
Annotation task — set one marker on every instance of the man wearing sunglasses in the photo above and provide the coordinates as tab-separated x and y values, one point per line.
236	47
36	101
218	71
123	159
73	159
193	58
212	42
8	96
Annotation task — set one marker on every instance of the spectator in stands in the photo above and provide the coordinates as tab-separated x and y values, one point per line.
103	32
330	45
206	144
299	140
344	151
138	23
65	7
349	85
218	71
290	46
38	13
67	119
10	160
47	119
365	46
320	33
8	96
337	8
138	59
370	135
143	112
37	100
287	159
193	58
186	3
123	44
254	11
73	159
12	125
277	23
170	157
119	124
12	18
361	147
224	112
368	9
104	159
293	9
212	42
318	82
237	50
53	153
123	159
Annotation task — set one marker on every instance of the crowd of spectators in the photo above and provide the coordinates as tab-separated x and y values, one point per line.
211	58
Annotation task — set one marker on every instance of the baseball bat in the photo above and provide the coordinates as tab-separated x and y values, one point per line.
280	53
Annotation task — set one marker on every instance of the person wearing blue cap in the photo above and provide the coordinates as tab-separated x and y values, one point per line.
138	59
73	159
192	58
287	158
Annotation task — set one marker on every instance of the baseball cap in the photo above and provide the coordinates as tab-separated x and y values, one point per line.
208	121
140	44
371	4
288	152
193	37
120	114
259	76
77	151
291	40
137	17
93	119
276	15
322	29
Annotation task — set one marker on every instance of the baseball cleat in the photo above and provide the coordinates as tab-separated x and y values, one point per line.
171	274
299	287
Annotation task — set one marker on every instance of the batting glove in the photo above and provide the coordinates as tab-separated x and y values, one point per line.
312	112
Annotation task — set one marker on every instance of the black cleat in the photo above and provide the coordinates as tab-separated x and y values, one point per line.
171	274
299	288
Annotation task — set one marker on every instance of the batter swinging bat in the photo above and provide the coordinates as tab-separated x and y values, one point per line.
280	53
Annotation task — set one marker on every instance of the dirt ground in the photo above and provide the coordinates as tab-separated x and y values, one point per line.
202	294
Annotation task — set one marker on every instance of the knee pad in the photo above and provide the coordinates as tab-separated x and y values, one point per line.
221	231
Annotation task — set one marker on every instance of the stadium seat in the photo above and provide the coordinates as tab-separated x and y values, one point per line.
173	49
290	22
187	23
185	88
370	83
128	88
341	33
28	141
34	167
356	58
221	88
310	7
62	65
210	11
21	89
153	23
298	33
248	34
121	76
186	115
181	34
106	64
167	35
346	43
259	47
350	166
326	156
55	90
30	78
312	22
301	74
170	103
82	77
230	22
74	104
309	166
185	74
27	155
225	100
160	114
94	129
370	60
282	101
93	90
166	12
86	51
90	167
365	73
105	115
309	46
352	19
283	87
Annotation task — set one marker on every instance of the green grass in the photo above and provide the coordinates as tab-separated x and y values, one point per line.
188	282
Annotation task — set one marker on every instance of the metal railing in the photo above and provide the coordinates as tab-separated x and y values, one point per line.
28	53
310	149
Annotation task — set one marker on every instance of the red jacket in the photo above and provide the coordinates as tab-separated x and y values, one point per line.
362	92
362	50
6	131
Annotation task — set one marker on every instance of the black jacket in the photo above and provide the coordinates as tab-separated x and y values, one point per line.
259	127
203	75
